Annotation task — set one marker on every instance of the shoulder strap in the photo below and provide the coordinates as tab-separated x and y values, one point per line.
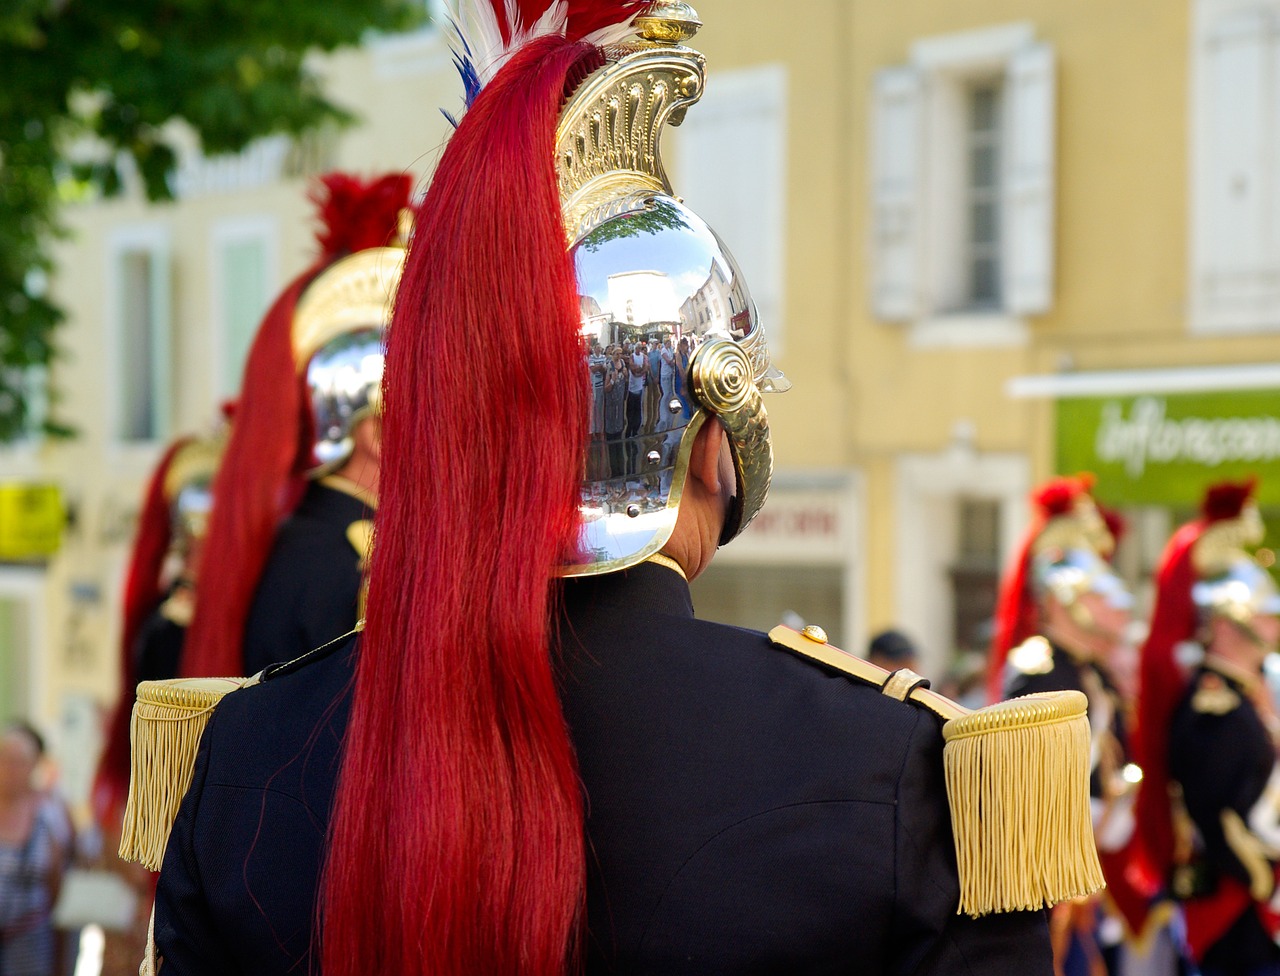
1017	776
903	684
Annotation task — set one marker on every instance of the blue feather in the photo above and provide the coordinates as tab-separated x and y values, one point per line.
464	61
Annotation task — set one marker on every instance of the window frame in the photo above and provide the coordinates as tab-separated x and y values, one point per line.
157	241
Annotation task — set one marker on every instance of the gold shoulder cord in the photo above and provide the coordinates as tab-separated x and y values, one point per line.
164	733
1017	776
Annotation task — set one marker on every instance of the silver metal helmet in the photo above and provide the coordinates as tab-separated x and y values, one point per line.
338	339
670	335
188	486
1068	574
1242	592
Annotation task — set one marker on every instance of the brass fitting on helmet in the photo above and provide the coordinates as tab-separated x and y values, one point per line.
663	302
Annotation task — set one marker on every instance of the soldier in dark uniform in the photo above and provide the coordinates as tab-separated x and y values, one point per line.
1222	754
159	596
510	771
282	579
1081	611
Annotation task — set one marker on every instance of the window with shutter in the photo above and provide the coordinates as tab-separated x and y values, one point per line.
140	313
1235	186
962	170
1028	184
897	187
244	280
731	170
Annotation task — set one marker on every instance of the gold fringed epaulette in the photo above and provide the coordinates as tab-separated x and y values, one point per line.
1017	776
164	734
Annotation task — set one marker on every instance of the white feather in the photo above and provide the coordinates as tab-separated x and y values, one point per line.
612	36
477	29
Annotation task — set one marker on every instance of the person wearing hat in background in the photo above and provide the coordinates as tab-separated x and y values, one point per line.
1205	548
159	599
1222	756
1082	612
1228	523
304	448
533	759
891	650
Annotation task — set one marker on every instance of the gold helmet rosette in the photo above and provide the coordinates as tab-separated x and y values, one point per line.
661	295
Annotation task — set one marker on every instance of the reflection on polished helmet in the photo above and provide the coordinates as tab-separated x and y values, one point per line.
188	486
1241	593
338	343
670	335
1069	574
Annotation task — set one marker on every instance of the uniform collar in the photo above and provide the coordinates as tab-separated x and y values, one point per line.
654	586
1241	677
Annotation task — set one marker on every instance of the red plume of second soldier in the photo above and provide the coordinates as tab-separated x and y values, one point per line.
262	473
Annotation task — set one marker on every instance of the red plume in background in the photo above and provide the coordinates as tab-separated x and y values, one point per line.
1162	681
1059	495
262	473
358	214
142	592
1017	613
1227	499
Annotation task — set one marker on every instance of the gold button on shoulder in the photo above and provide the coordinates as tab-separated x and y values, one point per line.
815	634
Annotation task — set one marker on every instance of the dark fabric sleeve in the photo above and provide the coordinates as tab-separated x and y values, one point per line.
186	934
307	597
929	938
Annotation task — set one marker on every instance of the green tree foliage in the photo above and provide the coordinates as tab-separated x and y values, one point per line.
111	75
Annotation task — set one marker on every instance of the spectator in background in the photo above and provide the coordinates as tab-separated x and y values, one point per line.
893	651
33	855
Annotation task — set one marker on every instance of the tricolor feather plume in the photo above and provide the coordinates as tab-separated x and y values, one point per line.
487	32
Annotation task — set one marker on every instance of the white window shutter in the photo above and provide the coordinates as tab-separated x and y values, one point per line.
897	191
1234	248
731	170
1027	252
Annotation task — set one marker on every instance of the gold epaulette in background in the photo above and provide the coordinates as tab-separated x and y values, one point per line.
1017	777
164	733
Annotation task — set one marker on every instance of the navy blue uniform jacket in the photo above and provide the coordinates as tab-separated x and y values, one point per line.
310	588
748	811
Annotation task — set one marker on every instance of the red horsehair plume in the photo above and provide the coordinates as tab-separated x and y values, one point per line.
356	214
1227	499
487	32
1059	496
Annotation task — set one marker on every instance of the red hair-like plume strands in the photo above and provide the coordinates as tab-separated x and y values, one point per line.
141	595
456	845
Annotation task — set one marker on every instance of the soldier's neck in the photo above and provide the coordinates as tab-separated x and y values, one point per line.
361	473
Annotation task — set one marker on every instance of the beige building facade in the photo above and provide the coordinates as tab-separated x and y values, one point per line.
966	223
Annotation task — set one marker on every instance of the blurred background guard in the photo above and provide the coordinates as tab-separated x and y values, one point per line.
35	842
1228	524
1062	508
1082	611
305	446
1222	754
892	650
159	600
747	807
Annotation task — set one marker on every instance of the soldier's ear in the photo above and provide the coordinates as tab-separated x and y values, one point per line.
704	460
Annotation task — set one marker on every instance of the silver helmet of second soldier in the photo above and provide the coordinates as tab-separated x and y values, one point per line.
670	335
338	339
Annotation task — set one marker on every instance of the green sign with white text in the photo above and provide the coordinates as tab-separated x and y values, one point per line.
1163	449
